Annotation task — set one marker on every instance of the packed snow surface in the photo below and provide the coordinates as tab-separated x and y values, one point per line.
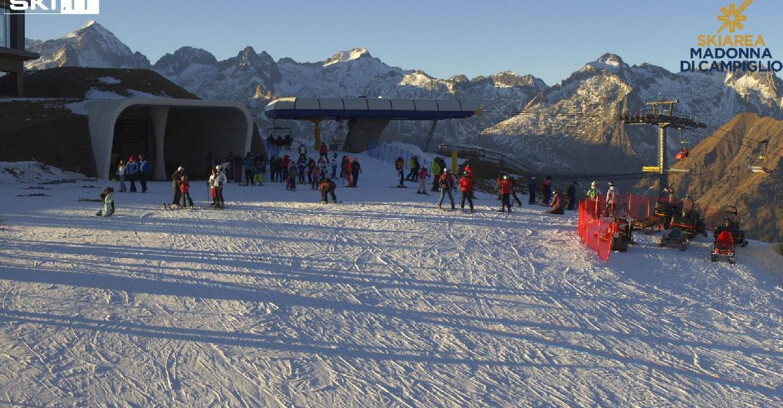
380	300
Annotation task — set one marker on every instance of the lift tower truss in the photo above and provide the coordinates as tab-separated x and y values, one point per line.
661	114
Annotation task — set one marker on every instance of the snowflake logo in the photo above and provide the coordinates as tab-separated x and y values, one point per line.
732	17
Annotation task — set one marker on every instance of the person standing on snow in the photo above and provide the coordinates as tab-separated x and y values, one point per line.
612	198
131	168
324	151
593	195
247	166
144	170
399	165
175	179
121	175
218	182
466	187
184	188
436	172
531	190
356	169
422	181
334	163
505	193
571	195
446	183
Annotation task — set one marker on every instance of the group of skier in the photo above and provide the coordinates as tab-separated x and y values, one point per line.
133	171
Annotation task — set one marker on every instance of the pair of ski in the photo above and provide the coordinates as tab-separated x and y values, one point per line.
464	211
167	206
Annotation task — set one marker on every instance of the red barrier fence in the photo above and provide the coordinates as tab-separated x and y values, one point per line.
594	231
597	233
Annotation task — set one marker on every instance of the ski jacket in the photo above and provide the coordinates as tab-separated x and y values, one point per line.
505	186
446	180
571	191
469	171
399	164
327	185
247	162
184	185
131	168
557	202
435	167
219	179
120	169
176	177
611	195
302	150
423	173
355	167
466	184
594	192
324	150
144	166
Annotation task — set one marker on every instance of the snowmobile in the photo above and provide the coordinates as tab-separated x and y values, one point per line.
666	207
731	223
723	247
689	220
674	238
621	234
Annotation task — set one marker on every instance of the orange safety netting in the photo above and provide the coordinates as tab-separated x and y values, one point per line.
595	232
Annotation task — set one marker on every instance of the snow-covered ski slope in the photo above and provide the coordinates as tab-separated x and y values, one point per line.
380	301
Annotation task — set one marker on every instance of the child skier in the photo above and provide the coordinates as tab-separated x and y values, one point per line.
184	188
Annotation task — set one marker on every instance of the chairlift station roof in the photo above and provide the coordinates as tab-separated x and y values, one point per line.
377	108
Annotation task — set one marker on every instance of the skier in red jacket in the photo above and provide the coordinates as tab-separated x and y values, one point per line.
505	193
466	186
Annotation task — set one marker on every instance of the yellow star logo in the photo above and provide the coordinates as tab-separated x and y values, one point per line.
732	17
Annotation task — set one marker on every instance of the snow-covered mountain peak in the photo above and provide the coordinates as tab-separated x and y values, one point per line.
609	62
350	55
510	79
92	45
172	64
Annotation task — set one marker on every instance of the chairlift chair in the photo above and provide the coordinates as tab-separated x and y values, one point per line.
685	150
759	164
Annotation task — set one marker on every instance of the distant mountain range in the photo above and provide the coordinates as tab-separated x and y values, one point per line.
569	128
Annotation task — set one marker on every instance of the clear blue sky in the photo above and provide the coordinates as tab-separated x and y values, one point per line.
547	38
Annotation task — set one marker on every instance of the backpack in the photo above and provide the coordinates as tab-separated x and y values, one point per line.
445	181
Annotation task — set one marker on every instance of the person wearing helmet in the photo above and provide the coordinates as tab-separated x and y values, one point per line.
466	187
175	180
446	183
505	186
594	191
558	204
612	198
218	179
593	196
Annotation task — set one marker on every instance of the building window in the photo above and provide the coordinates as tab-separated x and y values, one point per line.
5	28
